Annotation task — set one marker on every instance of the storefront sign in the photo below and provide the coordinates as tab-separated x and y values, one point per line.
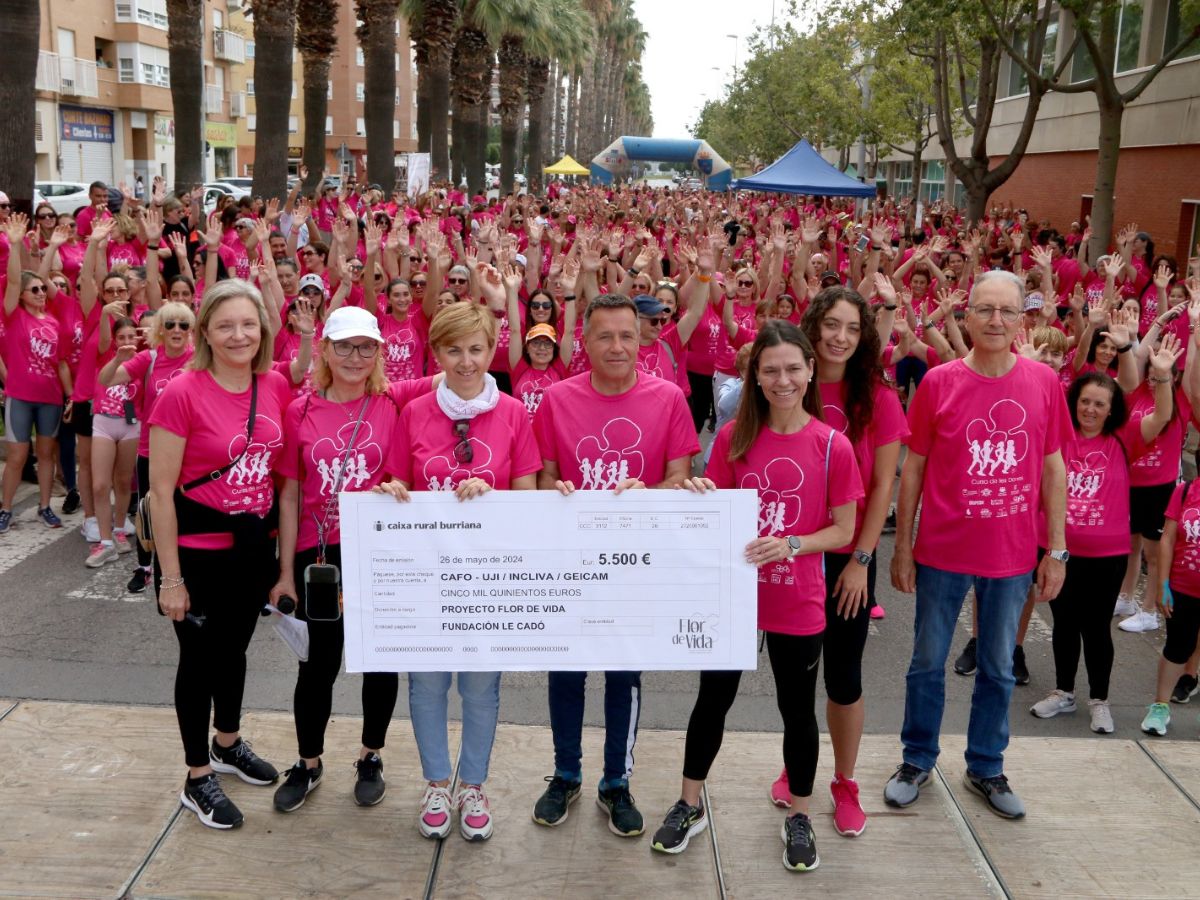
81	123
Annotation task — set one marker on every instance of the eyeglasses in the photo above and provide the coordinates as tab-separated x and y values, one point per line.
365	351
308	252
745	283
463	451
456	280
36	289
541	304
1007	313
355	268
113	292
657	321
172	324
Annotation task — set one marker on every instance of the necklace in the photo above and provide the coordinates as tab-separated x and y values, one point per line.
346	406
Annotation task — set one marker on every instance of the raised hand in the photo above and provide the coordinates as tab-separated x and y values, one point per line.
60	236
884	289
1118	328
1162	361
272	212
212	234
1114	266
152	224
810	231
570	274
306	315
1162	276
1041	256
178	244
372	235
15	228
512	278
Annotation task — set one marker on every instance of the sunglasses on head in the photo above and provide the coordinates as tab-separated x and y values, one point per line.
541	304
463	451
173	324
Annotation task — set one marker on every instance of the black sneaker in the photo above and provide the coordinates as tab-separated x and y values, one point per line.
799	844
71	502
624	819
370	786
299	783
965	664
551	808
241	761
204	797
889	524
1020	670
139	581
1185	688
678	827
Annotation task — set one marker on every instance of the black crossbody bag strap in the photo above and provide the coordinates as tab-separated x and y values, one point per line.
217	473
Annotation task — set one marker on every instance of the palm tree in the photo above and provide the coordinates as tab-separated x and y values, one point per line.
274	35
316	39
432	27
471	86
377	35
185	49
20	25
568	36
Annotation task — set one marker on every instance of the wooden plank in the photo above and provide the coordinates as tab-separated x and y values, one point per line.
6	706
86	790
1089	803
328	848
580	857
922	851
1181	759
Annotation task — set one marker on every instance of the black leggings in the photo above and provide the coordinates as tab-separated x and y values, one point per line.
1182	628
143	484
211	676
701	400
1083	611
845	640
312	702
794	660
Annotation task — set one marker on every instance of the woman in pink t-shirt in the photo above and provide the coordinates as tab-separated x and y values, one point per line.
405	333
470	439
1104	445
808	483
542	357
335	439
214	433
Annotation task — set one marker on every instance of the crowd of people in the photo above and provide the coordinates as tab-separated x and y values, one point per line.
225	376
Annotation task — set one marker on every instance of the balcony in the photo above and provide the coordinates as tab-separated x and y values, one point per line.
68	75
237	104
229	46
214	100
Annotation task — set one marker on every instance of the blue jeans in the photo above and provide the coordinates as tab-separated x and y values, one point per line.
940	596
427	704
622	706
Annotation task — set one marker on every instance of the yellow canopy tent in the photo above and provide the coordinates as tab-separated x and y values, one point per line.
566	166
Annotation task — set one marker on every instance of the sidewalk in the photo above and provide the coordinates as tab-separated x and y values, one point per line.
90	801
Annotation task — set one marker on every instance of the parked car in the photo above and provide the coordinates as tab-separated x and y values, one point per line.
64	196
212	195
229	188
691	184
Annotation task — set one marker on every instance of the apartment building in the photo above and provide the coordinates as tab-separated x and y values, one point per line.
1158	178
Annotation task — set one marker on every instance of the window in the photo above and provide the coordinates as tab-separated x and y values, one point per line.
251	122
249	49
293	124
902	183
360	127
293	89
145	12
143	64
360	93
1018	80
1174	29
397	95
218	20
125	72
1129	35
397	55
395	129
933	180
358	57
329	95
249	87
1050	47
162	76
329	124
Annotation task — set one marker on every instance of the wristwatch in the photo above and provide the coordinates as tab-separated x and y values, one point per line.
793	546
1059	555
862	557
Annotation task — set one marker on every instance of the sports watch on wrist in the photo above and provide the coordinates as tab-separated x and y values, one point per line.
862	557
793	546
1059	555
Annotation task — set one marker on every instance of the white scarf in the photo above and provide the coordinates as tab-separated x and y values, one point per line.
457	408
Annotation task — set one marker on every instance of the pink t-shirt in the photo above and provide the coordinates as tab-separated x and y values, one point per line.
705	343
405	345
132	253
744	317
71	256
664	359
1160	463
287	348
317	433
501	441
213	421
165	368
110	401
795	495
33	348
985	441
599	440
1185	562
887	425
69	313
580	362
529	384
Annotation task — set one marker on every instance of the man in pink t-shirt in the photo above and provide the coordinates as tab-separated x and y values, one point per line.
607	429
987	430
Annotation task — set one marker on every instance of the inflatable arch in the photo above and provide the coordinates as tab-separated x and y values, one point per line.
615	158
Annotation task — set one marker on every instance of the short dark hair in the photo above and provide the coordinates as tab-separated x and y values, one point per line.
97	184
607	301
1118	413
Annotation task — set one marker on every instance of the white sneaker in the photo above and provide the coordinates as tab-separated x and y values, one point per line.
100	555
90	529
1126	606
1057	702
121	542
1102	720
474	814
435	812
1140	621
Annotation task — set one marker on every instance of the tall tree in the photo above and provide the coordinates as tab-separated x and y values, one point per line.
20	25
274	36
316	39
185	50
377	35
433	38
483	21
568	35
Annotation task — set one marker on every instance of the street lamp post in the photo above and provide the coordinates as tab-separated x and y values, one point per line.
735	39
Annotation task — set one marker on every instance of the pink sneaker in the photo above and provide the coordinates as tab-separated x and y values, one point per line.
848	816
121	542
474	814
781	794
877	611
435	812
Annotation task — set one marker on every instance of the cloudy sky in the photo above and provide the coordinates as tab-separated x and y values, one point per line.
689	57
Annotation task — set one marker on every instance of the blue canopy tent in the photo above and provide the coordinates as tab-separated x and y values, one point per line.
802	171
615	158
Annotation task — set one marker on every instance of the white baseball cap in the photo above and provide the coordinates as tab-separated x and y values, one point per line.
352	321
315	281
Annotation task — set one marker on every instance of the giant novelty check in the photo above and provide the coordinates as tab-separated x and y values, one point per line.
533	581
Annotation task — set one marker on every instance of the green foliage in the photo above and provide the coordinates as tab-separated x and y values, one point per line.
493	154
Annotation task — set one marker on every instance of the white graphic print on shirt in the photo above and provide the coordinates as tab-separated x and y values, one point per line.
607	460
997	444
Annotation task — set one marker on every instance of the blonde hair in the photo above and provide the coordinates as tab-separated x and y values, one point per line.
322	377
173	309
124	223
214	297
1050	337
459	320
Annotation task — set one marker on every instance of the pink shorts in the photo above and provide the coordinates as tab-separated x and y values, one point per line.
115	428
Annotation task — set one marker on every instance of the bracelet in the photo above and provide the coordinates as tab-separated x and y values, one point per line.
1126	348
308	333
875	248
568	296
891	308
174	582
153	246
1154	380
704	279
633	270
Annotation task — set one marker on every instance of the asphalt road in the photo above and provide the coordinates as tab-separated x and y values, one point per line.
72	633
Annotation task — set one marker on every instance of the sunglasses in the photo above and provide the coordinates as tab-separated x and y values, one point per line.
417	284
414	259
463	451
365	351
456	280
112	292
47	215
36	289
541	304
175	324
5	205
355	268
745	283
657	321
